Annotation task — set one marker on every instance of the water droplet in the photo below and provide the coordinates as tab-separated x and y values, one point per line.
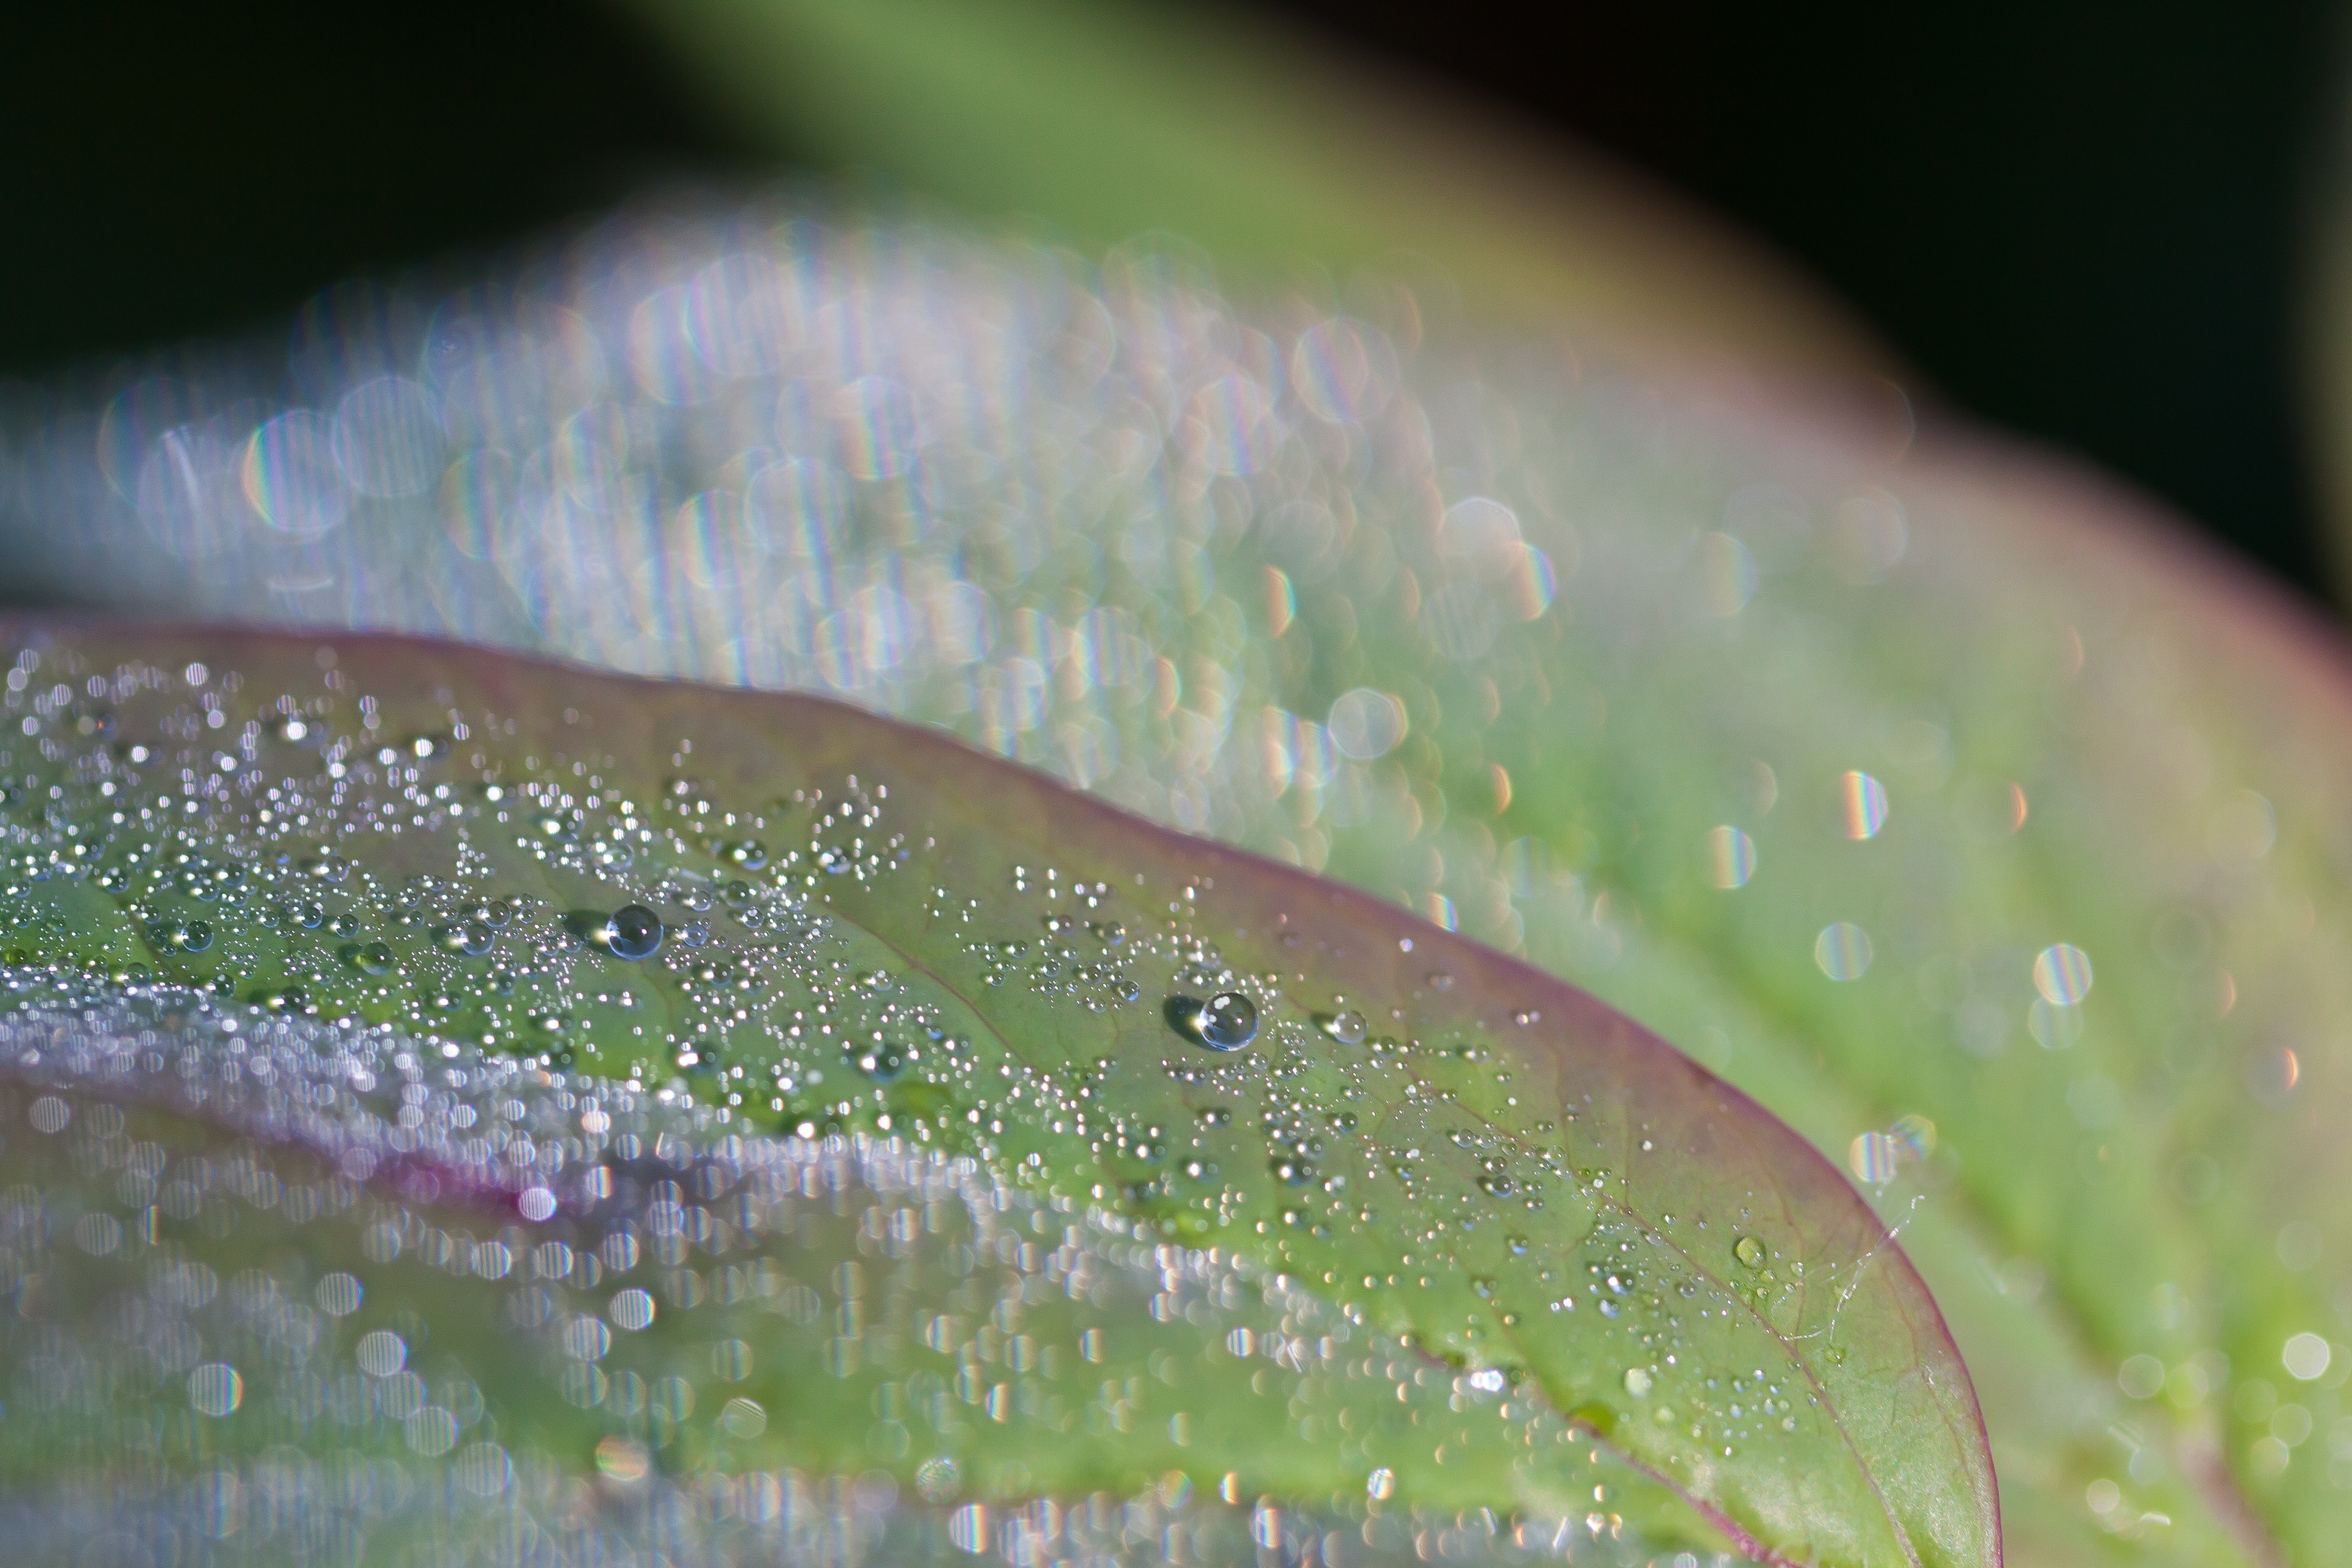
1870	1157
380	1352
884	1063
339	1295
1843	951
1861	805
1730	858
184	936
370	958
470	940
1915	1137
1749	1251
748	852
936	1479
2062	974
1366	724
1227	1023
2306	1357
634	933
1638	1381
1347	1026
624	1460
216	1390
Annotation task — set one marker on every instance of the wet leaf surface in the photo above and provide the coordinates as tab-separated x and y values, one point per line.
1799	741
1224	1173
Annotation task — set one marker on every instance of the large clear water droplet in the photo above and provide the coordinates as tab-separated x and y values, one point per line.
184	936
635	932
1346	1025
472	939
1227	1022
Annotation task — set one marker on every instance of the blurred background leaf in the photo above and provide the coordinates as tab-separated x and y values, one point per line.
2083	223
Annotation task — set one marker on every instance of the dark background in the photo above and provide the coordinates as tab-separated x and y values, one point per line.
2079	221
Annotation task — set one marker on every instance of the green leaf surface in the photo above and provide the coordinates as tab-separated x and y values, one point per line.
1315	1116
1604	665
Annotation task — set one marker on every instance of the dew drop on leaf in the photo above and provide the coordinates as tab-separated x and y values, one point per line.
1227	1022
635	932
1346	1025
470	940
1749	1251
185	936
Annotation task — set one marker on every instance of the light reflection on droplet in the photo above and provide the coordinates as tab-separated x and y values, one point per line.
2062	973
1366	724
1861	805
1915	1137
1730	858
215	1389
1843	951
1872	1159
291	477
1344	370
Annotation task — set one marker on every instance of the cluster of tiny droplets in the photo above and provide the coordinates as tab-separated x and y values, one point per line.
1787	747
650	1264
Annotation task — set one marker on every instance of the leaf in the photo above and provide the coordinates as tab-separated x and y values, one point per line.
1053	560
1198	1069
